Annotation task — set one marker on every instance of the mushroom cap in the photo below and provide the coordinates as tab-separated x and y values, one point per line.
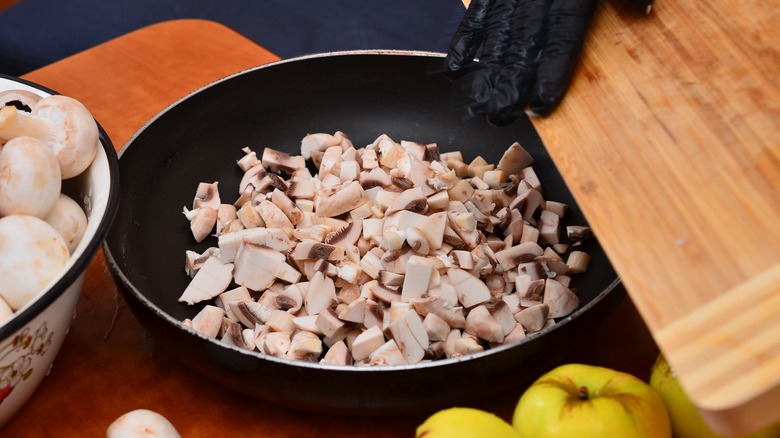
32	255
23	100
69	219
30	180
76	134
141	423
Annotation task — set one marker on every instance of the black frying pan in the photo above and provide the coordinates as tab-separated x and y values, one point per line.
363	94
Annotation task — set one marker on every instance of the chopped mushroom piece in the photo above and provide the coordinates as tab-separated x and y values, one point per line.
470	290
255	266
338	354
387	354
305	346
417	278
390	254
212	279
561	299
578	262
208	321
533	318
367	342
481	324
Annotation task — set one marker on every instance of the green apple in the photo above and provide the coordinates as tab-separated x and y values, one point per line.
686	420
577	400
465	423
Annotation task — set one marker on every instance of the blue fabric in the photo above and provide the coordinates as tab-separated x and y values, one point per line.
34	33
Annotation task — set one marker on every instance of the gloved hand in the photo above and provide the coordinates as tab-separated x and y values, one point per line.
529	52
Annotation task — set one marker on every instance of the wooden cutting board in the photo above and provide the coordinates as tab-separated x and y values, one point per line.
670	141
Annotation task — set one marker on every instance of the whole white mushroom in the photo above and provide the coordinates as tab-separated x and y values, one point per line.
32	255
69	219
5	311
61	122
141	423
30	180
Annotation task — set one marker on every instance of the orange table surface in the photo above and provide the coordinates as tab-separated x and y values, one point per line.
109	365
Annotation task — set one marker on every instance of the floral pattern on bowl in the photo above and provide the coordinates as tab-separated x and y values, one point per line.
16	357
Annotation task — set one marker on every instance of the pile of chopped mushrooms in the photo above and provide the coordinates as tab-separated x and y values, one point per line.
391	254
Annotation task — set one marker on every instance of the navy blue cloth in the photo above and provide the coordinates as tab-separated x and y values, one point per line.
34	33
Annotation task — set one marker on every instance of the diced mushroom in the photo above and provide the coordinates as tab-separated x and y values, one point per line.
287	206
385	254
234	334
410	200
549	227
470	290
312	250
321	294
354	312
436	327
349	196
275	239
224	299
517	334
208	321
515	159
212	279
578	262
337	354
277	343
249	216
500	311
225	214
404	336
432	304
279	161
466	345
256	266
417	278
307	323
522	253
367	342
561	299
207	195
329	323
387	354
481	324
290	299
250	313
272	215
305	346
346	236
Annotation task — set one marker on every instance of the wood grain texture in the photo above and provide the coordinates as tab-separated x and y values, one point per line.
670	141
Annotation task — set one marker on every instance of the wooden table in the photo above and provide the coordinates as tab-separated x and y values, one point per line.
108	364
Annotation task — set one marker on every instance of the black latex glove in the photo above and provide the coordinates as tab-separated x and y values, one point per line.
529	51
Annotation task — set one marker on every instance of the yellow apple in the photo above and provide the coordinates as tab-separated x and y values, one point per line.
465	423
577	400
686	420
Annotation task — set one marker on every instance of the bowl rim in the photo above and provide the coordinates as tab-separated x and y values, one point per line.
79	266
132	289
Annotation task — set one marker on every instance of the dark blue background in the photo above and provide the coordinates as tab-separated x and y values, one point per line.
34	33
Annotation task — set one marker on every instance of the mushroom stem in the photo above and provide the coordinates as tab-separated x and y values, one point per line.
13	124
